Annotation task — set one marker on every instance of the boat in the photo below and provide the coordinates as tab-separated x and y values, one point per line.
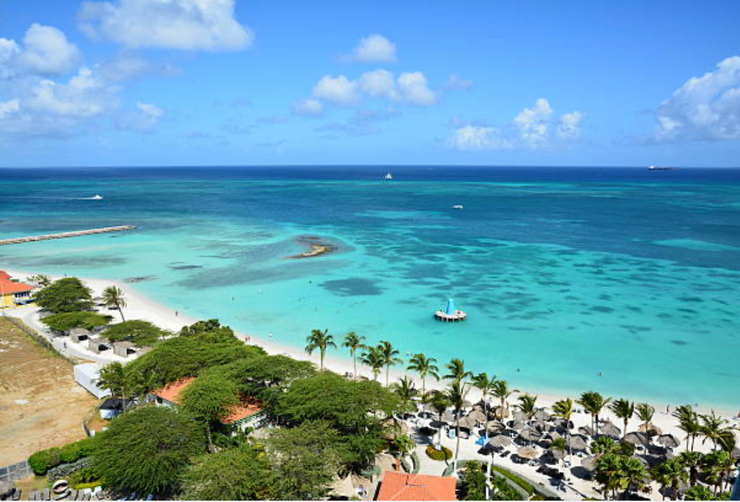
96	197
661	168
388	176
457	206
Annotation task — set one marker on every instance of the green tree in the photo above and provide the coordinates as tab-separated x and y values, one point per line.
400	446
304	460
390	357
669	475
623	409
113	378
633	476
692	461
698	492
603	445
717	467
559	444
209	398
113	298
456	393
484	384
354	342
40	280
608	474
502	391
593	403
147	449
527	405
564	410
241	473
406	392
473	486
66	321
372	357
65	295
320	340
713	427
210	331
456	371
688	422
424	366
439	403
140	333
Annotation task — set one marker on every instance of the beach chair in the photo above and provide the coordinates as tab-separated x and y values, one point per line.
17	494
45	494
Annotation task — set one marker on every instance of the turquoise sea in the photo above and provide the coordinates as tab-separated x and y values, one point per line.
564	273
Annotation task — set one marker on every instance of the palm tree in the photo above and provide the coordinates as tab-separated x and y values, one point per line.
692	461
716	467
564	410
688	421
456	393
484	383
424	366
113	378
373	358
527	405
624	409
559	444
353	342
439	403
670	474
406	391
633	476
401	445
389	357
320	340
113	298
501	390
593	403
645	413
608	474
457	373
603	445
713	428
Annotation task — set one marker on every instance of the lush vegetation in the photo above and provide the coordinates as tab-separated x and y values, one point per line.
241	473
140	333
65	321
473	486
65	295
44	460
441	455
526	485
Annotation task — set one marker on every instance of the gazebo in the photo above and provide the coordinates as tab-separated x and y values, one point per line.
450	313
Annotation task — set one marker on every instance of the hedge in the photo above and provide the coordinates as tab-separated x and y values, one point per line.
43	460
440	455
416	463
528	487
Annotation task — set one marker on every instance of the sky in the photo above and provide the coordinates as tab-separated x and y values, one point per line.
273	82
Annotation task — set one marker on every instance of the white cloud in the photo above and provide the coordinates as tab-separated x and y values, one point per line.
169	24
144	120
413	88
375	49
456	83
532	128
379	83
533	123
45	51
703	108
473	138
339	91
8	108
308	108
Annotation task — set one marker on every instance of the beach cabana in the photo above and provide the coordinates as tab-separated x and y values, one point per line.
78	335
517	425
589	463
124	349
98	345
468	422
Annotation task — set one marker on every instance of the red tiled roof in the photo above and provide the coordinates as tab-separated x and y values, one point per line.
171	391
402	486
8	287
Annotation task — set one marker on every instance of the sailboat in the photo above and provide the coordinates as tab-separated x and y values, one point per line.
388	176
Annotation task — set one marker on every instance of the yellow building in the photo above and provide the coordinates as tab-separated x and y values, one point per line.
12	293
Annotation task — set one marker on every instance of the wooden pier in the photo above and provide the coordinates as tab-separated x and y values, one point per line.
65	235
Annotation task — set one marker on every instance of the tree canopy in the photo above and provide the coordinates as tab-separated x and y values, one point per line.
241	473
140	333
65	295
66	321
147	449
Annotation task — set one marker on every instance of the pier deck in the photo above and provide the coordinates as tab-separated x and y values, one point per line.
65	235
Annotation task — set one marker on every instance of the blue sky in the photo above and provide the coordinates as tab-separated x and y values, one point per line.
217	82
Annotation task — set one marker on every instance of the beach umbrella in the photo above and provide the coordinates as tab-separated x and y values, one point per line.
467	404
557	454
611	430
519	416
651	429
448	417
542	415
553	435
527	452
669	441
499	413
577	443
495	427
541	426
478	416
589	463
586	430
530	435
636	438
500	441
468	422
517	425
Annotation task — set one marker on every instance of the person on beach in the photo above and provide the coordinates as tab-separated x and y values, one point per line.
177	313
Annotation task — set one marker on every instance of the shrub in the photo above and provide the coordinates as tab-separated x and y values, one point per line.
66	321
528	487
439	455
416	463
74	451
82	486
43	460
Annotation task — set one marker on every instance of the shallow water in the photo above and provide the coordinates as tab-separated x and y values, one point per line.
564	273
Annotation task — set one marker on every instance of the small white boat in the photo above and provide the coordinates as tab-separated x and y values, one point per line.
388	176
457	206
96	197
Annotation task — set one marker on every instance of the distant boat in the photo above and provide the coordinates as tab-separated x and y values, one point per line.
457	206
96	197
388	176
661	168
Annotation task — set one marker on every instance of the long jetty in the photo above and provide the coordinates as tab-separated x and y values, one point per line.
65	235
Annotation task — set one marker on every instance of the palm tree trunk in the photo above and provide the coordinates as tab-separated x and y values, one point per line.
322	361
120	311
387	369
457	433
626	421
423	387
354	361
440	431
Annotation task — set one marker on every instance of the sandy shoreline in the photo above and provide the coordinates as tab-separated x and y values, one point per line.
142	307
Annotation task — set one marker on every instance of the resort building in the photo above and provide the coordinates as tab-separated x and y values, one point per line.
248	413
12	293
403	486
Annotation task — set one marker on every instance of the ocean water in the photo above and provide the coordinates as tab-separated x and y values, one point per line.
619	280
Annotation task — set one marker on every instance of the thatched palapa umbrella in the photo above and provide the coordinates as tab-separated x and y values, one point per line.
589	463
636	438
586	430
517	425
542	415
468	422
527	452
478	416
495	427
530	435
577	443
500	441
669	441
611	430
651	429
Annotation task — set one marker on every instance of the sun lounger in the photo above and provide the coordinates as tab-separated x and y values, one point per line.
17	494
